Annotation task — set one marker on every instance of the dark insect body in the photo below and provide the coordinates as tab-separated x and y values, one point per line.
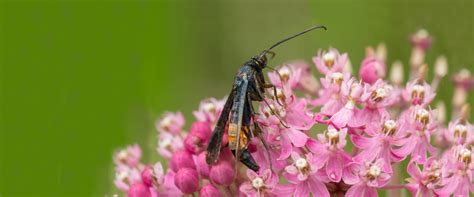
238	112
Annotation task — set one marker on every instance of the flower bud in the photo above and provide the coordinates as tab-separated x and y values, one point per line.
182	159
147	176
187	180
209	191
202	130
202	167
194	144
222	173
139	190
381	52
371	70
396	73
441	66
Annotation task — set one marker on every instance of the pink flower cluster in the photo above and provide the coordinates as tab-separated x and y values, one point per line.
339	135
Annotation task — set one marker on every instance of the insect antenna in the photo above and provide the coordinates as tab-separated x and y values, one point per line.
291	37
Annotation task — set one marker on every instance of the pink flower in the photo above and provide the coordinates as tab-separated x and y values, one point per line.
365	178
418	93
424	183
201	165
303	174
329	149
126	176
265	184
351	92
330	61
308	82
421	39
171	123
272	137
418	125
457	175
289	75
297	118
331	99
459	132
130	156
209	110
379	144
168	144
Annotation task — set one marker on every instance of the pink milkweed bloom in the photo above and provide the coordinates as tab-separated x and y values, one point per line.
209	110
130	156
329	149
303	174
421	39
418	92
377	98
126	176
296	117
424	183
351	93
271	136
331	98
171	123
168	144
365	178
307	82
290	76
265	184
379	145
459	132
417	124
330	61
457	175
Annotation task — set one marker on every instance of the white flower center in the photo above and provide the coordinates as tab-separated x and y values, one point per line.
166	122
389	127
329	58
209	107
337	78
374	171
301	163
460	130
464	155
165	143
333	136
123	176
422	34
422	116
285	73
258	183
122	155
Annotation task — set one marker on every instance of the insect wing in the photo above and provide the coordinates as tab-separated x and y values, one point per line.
214	145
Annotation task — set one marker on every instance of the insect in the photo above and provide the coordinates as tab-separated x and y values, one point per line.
238	112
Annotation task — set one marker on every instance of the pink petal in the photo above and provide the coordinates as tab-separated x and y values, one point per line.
302	190
349	174
286	147
297	137
414	171
334	168
317	188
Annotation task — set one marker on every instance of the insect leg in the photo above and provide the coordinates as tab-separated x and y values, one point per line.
274	92
258	132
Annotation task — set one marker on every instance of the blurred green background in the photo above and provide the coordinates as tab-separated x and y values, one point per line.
80	79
